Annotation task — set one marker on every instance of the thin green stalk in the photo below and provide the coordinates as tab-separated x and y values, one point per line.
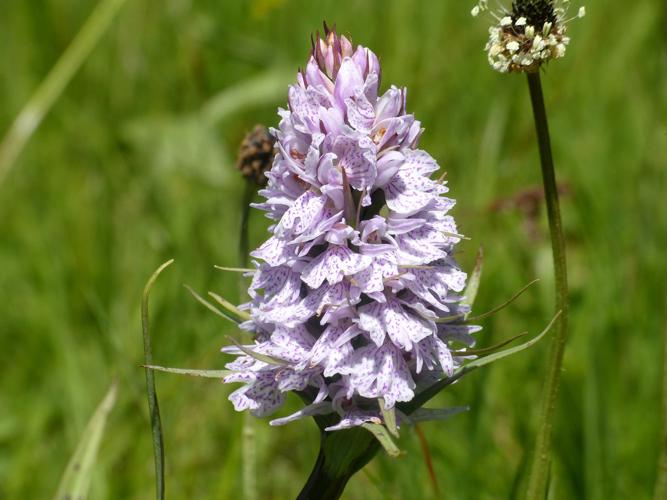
55	82
244	247
249	444
153	407
661	481
539	472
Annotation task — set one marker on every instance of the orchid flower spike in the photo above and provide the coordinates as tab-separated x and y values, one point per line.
530	34
356	295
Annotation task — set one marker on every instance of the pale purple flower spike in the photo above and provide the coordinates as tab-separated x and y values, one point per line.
358	275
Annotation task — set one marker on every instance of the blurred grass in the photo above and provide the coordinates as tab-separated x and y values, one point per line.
123	175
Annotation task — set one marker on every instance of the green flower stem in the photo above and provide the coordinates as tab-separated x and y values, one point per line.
342	454
539	472
249	443
244	248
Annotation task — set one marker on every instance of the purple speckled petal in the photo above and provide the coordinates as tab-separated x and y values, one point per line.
355	418
404	197
274	252
348	80
303	213
380	372
357	157
421	246
391	104
332	265
372	279
392	319
360	112
315	409
262	397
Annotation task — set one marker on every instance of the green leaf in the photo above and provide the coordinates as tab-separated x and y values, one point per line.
382	435
236	269
153	406
429	414
470	293
211	307
260	357
75	481
389	416
487	350
231	309
191	372
504	304
434	389
456	317
478	363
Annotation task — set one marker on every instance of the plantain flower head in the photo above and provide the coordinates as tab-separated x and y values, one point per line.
530	34
356	296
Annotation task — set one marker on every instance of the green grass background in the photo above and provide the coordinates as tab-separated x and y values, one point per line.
134	165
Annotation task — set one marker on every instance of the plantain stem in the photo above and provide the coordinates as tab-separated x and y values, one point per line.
539	472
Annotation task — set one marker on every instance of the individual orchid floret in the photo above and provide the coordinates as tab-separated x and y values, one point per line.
356	296
530	34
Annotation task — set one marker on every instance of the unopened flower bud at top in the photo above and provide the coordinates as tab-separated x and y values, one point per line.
531	33
327	55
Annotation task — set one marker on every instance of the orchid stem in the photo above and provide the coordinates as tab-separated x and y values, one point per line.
342	454
539	472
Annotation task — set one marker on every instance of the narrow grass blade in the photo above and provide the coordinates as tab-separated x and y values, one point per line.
55	82
382	435
153	406
75	481
389	416
231	309
190	372
211	307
